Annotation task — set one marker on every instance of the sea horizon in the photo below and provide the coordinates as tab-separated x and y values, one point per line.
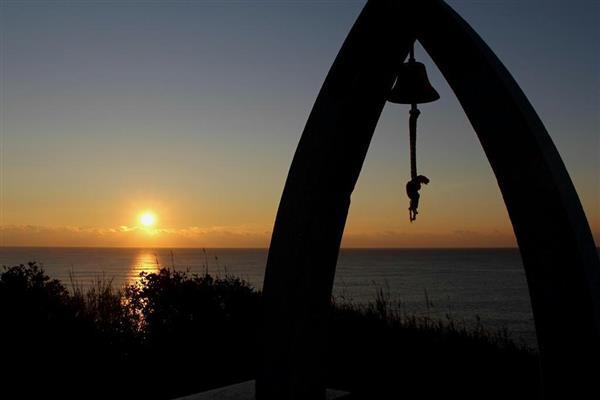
467	283
262	248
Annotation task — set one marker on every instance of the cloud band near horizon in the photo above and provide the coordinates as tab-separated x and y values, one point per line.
234	236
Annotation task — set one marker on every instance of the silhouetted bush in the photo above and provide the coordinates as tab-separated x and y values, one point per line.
175	333
202	327
171	334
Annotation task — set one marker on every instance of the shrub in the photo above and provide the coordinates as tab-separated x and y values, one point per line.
175	333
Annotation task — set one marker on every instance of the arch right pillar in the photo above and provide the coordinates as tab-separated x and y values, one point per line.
556	244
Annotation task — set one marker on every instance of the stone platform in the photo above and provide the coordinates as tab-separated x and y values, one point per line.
245	391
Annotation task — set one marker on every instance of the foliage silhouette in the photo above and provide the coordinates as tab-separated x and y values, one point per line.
175	333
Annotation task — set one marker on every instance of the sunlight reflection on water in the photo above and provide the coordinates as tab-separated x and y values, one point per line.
145	261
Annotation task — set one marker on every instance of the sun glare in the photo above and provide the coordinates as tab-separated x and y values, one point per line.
147	219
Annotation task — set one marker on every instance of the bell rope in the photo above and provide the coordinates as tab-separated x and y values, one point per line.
412	127
412	87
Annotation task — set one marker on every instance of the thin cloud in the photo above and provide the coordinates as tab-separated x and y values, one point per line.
231	236
29	235
235	236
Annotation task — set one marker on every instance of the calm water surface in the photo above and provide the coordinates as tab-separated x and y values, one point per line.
489	283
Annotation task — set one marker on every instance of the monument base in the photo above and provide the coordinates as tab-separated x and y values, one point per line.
245	391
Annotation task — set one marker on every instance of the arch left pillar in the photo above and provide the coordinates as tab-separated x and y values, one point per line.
315	202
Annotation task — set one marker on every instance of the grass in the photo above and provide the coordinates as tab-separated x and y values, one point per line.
175	333
379	351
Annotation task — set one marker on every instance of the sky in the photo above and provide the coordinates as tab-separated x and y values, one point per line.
193	109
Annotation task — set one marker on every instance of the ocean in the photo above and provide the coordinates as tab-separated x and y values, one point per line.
466	284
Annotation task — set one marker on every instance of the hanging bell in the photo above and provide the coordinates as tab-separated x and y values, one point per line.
412	85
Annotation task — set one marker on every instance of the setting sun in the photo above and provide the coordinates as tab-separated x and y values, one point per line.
147	219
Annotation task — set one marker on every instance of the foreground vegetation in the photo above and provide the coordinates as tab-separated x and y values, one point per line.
176	333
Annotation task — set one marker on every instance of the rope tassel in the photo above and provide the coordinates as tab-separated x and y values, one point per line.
414	185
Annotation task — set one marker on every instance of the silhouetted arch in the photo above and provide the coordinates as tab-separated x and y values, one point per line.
557	248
